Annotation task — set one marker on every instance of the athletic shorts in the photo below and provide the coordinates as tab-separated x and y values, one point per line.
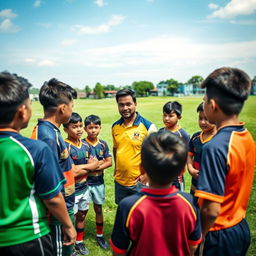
233	241
97	194
82	201
40	246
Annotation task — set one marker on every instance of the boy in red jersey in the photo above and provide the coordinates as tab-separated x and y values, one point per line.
227	165
159	220
196	143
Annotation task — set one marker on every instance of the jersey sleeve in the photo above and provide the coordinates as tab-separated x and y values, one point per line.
152	128
191	146
49	178
106	151
213	170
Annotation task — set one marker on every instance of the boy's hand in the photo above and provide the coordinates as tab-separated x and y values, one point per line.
95	163
69	235
194	173
142	179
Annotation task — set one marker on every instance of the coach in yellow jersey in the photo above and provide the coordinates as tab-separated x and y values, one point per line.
128	133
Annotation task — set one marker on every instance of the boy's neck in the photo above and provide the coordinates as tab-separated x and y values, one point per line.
153	185
227	121
173	128
92	140
52	119
74	141
209	133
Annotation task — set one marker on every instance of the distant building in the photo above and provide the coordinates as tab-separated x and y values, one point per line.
162	89
81	95
110	94
153	92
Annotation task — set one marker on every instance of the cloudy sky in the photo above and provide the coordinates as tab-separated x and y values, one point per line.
82	42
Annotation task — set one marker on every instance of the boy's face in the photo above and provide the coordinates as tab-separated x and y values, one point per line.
92	130
75	130
126	106
170	120
208	109
204	123
26	113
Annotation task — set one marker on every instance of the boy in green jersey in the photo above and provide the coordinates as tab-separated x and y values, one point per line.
30	179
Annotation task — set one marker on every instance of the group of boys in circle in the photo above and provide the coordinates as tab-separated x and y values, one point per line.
59	178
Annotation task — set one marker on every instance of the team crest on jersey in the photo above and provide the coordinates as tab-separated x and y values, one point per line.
64	154
136	135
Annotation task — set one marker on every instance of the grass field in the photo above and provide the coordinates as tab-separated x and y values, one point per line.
150	108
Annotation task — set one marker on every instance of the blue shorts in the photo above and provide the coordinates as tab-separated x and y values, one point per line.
97	194
233	241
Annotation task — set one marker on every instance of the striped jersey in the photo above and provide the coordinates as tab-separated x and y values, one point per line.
51	135
28	173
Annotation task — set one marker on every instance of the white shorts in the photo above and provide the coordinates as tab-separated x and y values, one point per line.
82	201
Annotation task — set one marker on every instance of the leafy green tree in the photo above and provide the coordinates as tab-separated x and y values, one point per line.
87	90
173	85
196	82
253	89
142	88
99	89
34	90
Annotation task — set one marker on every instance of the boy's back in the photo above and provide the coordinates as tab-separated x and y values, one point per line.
158	222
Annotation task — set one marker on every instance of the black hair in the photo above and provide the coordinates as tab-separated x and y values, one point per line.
14	90
75	118
92	119
53	93
126	92
200	107
163	156
173	106
230	87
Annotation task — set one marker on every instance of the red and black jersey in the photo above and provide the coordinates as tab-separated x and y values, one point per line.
156	222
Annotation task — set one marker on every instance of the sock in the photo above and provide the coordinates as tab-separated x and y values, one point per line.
99	229
79	235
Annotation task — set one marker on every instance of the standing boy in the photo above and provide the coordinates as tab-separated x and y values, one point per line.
30	179
128	133
172	111
227	165
196	143
57	100
80	154
99	149
159	220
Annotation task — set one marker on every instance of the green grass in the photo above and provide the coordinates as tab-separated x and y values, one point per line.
150	108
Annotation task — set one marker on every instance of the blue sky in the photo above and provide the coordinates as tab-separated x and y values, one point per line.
82	42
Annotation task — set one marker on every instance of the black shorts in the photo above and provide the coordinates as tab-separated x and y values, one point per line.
37	247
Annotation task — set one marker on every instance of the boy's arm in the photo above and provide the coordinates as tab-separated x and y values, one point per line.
105	164
209	212
83	169
114	155
192	249
57	207
193	172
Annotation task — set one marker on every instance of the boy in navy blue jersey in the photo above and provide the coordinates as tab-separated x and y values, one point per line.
158	220
195	146
227	165
80	154
100	150
172	111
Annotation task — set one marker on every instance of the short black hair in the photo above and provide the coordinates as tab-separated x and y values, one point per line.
173	106
14	90
163	156
126	92
92	119
75	118
200	107
230	87
53	93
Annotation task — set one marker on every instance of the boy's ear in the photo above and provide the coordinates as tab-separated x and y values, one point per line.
65	129
214	105
142	170
62	108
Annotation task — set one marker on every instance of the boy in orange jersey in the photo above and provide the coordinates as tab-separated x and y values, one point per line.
196	143
227	165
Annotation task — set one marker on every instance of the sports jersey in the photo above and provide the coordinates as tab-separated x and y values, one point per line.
127	142
180	132
194	150
80	155
156	222
226	173
50	134
28	173
101	151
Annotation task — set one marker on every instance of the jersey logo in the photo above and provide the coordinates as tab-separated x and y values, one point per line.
136	136
64	154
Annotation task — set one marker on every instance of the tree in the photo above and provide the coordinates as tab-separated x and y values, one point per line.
196	82
172	86
142	88
87	90
99	89
253	89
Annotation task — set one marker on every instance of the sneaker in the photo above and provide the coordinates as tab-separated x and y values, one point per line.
80	247
101	242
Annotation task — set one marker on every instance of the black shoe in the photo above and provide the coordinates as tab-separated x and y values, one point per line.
101	242
80	247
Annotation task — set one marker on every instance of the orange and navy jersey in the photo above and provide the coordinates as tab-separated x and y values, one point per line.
49	133
127	143
180	132
226	173
80	155
156	222
195	150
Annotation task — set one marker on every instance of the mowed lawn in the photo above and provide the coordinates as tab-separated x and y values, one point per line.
150	108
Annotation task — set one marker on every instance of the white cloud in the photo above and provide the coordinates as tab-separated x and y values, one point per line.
100	3
243	22
46	63
68	42
6	26
29	60
44	25
103	28
235	8
213	6
37	3
7	13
